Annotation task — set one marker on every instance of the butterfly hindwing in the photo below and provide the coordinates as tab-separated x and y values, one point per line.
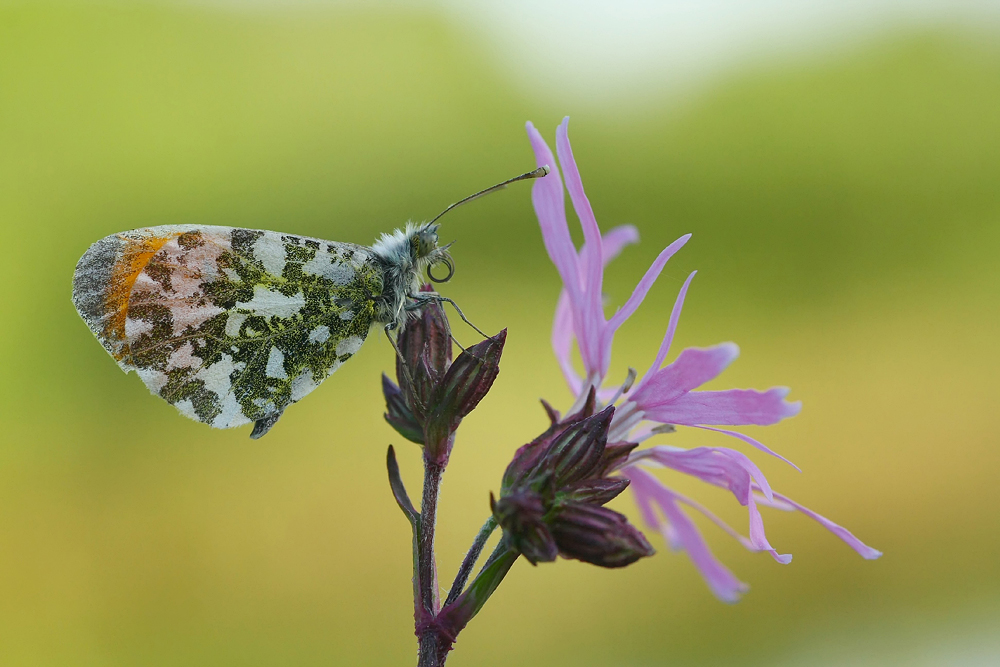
229	325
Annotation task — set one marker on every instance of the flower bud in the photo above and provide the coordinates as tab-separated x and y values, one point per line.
576	452
598	535
398	414
461	389
615	456
525	461
595	491
522	518
425	345
434	394
566	451
553	491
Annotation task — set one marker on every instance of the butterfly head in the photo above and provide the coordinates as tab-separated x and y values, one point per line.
427	253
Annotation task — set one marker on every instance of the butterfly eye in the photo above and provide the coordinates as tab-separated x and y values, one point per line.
446	260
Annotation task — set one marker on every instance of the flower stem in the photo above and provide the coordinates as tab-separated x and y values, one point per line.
426	565
470	560
455	616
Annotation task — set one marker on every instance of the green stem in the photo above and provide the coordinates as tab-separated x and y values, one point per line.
426	565
470	560
457	615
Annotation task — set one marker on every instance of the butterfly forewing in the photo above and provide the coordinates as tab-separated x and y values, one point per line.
228	325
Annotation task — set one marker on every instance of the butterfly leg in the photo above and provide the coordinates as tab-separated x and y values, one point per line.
402	361
431	297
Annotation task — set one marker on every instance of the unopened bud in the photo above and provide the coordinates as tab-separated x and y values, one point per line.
464	385
521	517
577	451
599	536
425	344
595	491
398	414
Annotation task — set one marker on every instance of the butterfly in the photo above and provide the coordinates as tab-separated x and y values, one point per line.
233	325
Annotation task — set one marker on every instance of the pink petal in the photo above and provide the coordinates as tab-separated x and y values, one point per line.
590	317
550	207
728	469
866	551
732	407
615	240
750	441
590	255
757	536
708	464
722	582
562	328
751	468
668	338
562	342
640	291
694	367
643	497
729	530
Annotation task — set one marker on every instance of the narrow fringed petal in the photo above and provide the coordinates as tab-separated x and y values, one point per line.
750	441
590	255
757	536
550	206
590	321
693	367
614	241
642	289
728	469
712	465
726	528
683	533
668	337
732	407
562	342
865	551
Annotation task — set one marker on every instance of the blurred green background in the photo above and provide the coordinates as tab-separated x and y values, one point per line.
846	223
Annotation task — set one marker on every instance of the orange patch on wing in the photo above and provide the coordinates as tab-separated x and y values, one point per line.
134	258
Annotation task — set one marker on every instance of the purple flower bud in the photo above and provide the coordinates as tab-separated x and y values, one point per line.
577	451
598	535
552	413
434	394
398	414
553	490
521	516
525	461
457	394
425	344
615	456
596	491
567	451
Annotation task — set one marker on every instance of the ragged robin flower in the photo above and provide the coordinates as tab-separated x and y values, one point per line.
666	396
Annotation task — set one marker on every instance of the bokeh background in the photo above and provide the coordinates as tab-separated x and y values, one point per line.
838	164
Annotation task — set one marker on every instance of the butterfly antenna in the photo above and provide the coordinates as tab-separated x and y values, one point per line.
534	173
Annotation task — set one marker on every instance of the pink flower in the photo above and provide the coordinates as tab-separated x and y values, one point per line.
666	396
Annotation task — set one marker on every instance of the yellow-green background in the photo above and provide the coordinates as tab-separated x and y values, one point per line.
846	224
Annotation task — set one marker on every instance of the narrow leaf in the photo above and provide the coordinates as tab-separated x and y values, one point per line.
457	615
398	490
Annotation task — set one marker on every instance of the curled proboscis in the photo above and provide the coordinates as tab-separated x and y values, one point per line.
447	261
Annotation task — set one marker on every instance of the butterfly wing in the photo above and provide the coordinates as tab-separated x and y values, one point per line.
229	325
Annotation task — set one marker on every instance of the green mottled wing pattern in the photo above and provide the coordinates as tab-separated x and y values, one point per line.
229	325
